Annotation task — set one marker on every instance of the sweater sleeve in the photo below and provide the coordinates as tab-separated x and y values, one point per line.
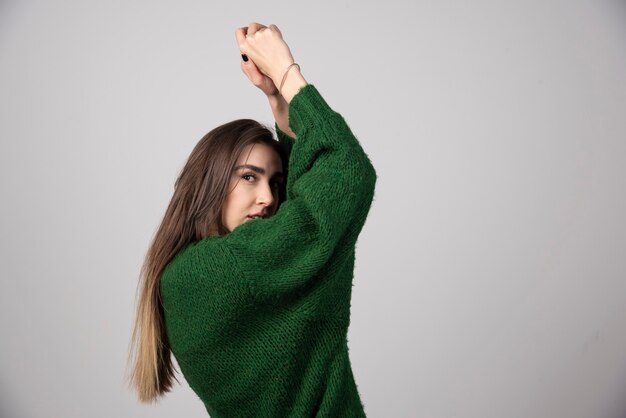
330	187
285	139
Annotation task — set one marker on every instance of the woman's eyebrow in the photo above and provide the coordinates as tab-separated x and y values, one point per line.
257	169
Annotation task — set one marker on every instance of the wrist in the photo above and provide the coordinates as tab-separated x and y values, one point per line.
294	81
276	101
277	73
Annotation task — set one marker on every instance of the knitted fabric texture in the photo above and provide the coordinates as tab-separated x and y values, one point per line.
257	319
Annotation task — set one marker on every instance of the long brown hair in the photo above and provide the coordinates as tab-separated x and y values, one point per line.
194	212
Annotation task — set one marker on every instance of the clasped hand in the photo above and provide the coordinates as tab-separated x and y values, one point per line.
268	55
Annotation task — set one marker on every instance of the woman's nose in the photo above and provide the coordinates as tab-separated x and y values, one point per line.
266	194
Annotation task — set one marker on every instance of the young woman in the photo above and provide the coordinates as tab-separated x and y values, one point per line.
248	279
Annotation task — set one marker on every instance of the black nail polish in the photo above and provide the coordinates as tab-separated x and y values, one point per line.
245	57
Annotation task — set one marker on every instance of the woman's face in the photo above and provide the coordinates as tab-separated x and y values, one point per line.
254	187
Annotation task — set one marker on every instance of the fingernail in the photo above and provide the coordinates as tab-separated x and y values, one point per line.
245	57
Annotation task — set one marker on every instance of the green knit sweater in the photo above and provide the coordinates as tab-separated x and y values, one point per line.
257	319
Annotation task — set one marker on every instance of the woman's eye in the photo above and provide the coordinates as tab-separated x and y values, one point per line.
275	184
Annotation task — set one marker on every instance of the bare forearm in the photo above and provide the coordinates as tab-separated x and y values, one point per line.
280	109
279	103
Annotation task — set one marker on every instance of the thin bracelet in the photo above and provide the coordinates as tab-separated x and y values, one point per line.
285	77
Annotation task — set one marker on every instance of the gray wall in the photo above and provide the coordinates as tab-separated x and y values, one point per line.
490	277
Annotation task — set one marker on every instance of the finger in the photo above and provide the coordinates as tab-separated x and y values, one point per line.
245	69
252	72
251	69
255	27
275	28
240	34
252	24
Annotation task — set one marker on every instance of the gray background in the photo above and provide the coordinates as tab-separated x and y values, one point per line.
490	277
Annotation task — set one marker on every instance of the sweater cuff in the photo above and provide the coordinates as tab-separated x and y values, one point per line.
308	109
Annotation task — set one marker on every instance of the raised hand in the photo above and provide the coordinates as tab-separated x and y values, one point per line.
267	50
253	73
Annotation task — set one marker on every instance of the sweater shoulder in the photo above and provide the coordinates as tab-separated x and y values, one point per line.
203	296
205	267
